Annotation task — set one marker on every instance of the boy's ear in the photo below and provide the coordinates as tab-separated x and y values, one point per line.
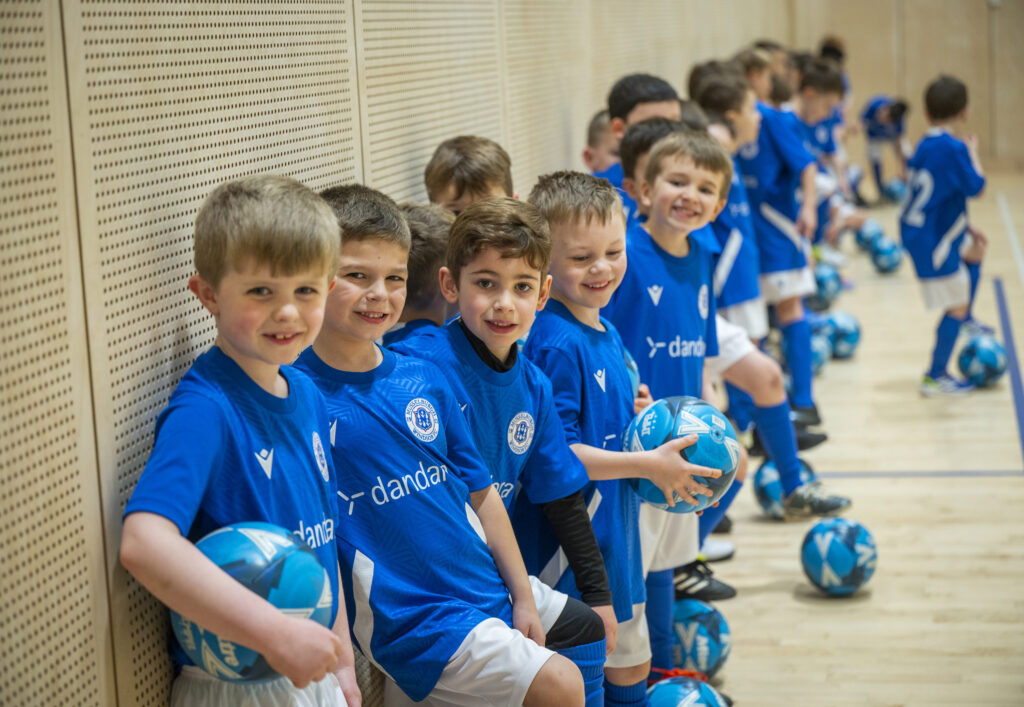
629	186
718	209
206	293
618	127
588	157
545	293
645	194
449	287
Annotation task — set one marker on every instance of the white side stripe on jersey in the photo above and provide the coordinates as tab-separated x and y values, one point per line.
728	258
941	251
362	624
783	224
559	563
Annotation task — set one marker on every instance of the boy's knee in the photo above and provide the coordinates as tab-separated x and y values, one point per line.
557	684
958	312
789	310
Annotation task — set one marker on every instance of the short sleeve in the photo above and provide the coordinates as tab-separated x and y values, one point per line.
566	386
553	471
788	142
969	182
188	446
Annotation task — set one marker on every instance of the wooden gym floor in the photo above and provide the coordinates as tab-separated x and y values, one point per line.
940	484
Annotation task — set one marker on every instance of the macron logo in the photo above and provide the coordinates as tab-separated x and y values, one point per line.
655	292
599	376
655	345
266	460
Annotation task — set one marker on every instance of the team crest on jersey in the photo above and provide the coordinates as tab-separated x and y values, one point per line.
702	301
520	432
321	458
422	420
821	133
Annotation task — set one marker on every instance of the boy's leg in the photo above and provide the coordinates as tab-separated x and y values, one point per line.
627	667
945	340
875	160
973	254
574	631
796	337
709	519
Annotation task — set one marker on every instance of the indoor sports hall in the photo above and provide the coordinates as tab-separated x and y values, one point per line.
119	117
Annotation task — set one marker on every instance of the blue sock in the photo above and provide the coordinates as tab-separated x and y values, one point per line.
974	272
876	168
779	439
796	336
740	403
709	519
625	695
589	658
661	594
945	340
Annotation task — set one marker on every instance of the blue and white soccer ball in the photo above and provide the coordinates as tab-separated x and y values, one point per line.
870	232
887	255
982	361
678	416
821	352
702	641
895	189
838	556
274	564
683	692
633	370
768	487
820	323
829	286
845	334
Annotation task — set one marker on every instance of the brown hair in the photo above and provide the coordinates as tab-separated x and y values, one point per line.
598	126
753	59
429	227
364	213
700	147
514	228
267	220
570	197
470	164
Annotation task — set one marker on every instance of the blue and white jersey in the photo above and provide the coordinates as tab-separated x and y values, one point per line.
819	139
594	400
664	311
417	573
511	415
934	219
875	129
771	170
406	330
227	451
615	175
738	267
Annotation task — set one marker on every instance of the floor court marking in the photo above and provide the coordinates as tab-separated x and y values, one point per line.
1016	385
917	474
1011	231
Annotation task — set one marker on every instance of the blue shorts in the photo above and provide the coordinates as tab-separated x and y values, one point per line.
780	246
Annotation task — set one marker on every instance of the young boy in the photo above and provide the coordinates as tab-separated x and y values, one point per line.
583	356
882	118
241	439
496	272
424	304
465	169
946	250
438	595
602	150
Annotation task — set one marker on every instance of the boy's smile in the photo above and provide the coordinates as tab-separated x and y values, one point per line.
587	265
370	290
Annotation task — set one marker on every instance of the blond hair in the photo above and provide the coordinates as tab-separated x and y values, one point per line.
571	197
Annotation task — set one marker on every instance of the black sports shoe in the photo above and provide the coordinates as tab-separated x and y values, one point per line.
807	416
805	439
724	525
813	500
694	581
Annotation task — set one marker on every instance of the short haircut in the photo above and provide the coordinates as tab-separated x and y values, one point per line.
692	115
821	77
573	197
753	59
722	91
945	97
630	91
781	90
429	226
597	127
516	229
640	137
264	220
469	163
702	73
897	109
364	214
768	45
700	147
832	47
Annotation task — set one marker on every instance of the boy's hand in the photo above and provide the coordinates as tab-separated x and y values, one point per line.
807	220
302	650
346	675
972	142
643	398
670	472
526	620
611	626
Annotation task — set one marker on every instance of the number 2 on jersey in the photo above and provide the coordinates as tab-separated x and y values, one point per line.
921	187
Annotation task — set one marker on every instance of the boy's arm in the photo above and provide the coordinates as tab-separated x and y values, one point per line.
807	218
502	542
345	670
183	578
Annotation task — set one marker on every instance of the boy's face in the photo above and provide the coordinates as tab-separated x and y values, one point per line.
684	197
588	261
761	82
631	182
448	199
747	121
262	319
600	157
370	291
642	111
816	106
497	297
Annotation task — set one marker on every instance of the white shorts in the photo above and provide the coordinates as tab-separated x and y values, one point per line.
197	688
667	540
495	665
733	345
875	147
787	284
825	185
751	315
947	292
632	642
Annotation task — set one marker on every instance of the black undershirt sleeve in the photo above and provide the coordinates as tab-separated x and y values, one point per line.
569	519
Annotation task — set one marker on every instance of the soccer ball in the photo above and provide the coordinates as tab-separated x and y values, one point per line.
701	641
633	370
683	692
895	189
274	564
869	232
820	323
829	286
821	351
768	487
716	446
838	556
982	361
886	255
845	334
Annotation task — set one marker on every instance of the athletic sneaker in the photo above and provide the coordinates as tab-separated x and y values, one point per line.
944	385
828	254
806	416
972	327
805	439
714	550
694	581
813	500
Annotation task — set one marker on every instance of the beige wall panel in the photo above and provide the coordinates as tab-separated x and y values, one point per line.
1007	23
54	615
428	71
169	100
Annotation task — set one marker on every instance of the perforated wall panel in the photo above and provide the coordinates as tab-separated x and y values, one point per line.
171	99
54	620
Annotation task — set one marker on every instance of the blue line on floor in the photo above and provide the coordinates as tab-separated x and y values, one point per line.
917	474
1012	363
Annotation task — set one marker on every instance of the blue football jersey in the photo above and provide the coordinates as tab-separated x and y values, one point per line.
594	400
819	138
615	175
418	575
227	451
934	218
738	267
664	311
873	127
406	330
511	414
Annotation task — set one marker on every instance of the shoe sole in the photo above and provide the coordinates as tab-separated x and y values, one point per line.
932	393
